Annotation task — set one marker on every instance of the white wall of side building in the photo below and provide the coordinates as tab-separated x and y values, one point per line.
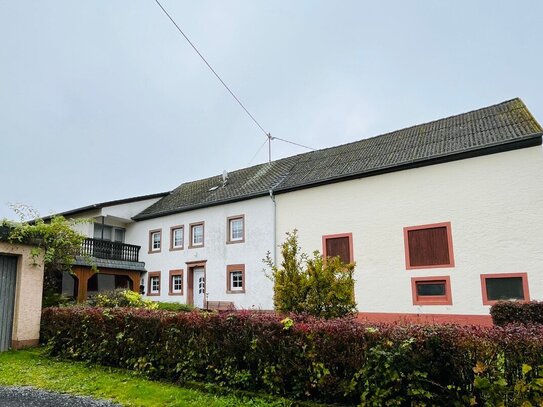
259	238
494	204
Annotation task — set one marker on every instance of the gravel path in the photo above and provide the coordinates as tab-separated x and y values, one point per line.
15	396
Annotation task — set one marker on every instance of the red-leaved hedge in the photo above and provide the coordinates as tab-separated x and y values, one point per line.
331	361
516	312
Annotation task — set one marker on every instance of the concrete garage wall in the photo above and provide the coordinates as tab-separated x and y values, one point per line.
28	295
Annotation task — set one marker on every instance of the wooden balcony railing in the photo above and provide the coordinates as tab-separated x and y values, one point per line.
104	249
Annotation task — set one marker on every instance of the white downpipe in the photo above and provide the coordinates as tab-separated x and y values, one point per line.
274	252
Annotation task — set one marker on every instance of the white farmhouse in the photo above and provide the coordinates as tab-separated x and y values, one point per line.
442	220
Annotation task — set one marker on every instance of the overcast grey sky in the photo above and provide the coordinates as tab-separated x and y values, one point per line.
102	100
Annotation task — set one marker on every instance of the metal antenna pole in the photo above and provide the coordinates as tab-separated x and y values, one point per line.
270	138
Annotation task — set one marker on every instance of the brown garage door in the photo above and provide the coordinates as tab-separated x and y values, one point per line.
8	276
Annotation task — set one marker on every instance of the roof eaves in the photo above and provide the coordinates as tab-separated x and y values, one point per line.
530	140
108	203
158	214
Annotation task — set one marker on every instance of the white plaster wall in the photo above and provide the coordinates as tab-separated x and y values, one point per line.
128	210
259	225
495	205
124	213
86	229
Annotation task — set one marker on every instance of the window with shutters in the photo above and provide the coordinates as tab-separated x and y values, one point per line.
338	245
504	287
428	246
431	290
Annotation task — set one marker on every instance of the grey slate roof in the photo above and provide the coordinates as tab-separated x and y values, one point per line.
112	264
503	125
480	129
242	184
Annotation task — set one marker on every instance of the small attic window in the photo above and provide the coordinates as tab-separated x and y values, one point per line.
213	188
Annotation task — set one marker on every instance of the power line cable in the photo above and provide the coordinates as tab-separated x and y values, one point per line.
269	138
292	142
211	68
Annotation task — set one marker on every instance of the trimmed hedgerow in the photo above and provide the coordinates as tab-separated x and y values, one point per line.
516	312
331	361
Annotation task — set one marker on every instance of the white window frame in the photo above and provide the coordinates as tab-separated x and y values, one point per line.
175	230
193	227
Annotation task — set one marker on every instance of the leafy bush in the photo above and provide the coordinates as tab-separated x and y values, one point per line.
339	361
174	306
320	287
120	298
56	242
515	312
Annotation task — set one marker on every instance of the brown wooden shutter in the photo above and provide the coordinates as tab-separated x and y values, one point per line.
339	246
428	247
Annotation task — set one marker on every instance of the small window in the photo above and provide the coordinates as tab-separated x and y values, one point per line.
118	235
176	238
236	229
431	291
155	241
235	278
338	245
197	234
154	283
428	246
110	233
103	232
176	282
504	287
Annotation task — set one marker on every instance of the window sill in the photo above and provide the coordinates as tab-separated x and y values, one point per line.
235	241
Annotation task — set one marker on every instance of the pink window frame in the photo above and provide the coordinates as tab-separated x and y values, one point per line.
349	235
431	299
406	231
525	287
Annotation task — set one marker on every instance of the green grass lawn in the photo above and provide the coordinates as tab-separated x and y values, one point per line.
33	368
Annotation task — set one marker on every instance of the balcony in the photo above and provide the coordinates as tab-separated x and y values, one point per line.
105	249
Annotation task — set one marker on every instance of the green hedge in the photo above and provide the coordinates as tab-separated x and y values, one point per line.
331	361
516	312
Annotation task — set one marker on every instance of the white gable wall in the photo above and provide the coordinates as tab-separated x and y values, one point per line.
494	204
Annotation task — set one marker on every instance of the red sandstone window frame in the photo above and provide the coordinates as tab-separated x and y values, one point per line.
335	236
406	231
191	235
525	288
175	273
173	229
431	299
229	221
151	234
150	276
231	268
